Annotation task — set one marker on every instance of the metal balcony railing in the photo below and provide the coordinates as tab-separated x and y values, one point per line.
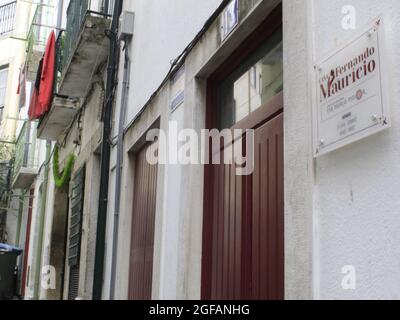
38	34
82	46
7	17
59	60
25	155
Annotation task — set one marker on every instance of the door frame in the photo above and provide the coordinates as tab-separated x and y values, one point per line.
25	266
275	106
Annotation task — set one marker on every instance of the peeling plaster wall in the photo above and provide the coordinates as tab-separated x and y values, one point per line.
357	188
87	130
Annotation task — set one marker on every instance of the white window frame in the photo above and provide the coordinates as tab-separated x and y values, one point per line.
3	86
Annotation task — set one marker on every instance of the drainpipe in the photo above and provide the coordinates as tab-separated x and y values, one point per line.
43	201
105	155
118	178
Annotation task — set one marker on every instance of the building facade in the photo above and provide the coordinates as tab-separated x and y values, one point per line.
336	218
104	216
12	30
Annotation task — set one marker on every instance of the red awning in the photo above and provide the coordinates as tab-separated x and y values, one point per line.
43	90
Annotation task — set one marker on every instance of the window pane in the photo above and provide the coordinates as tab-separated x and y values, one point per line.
3	86
253	84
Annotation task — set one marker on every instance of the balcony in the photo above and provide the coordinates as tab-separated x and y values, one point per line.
59	118
37	38
85	47
80	50
25	164
7	18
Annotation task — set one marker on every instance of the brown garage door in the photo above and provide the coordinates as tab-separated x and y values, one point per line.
142	239
243	235
244	231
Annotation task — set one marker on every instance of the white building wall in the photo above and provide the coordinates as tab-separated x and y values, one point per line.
341	209
48	223
12	53
357	187
179	209
163	28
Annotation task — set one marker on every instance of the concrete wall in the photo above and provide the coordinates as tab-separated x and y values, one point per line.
56	231
298	167
87	131
357	187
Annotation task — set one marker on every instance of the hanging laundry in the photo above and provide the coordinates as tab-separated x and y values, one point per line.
47	78
42	93
34	103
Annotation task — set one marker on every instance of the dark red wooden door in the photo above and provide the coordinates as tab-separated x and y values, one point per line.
143	219
243	225
227	233
267	231
243	254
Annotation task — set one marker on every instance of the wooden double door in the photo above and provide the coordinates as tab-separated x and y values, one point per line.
243	239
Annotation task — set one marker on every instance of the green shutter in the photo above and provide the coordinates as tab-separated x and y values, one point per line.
75	232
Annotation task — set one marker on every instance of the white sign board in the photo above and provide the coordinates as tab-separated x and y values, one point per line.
178	89
351	99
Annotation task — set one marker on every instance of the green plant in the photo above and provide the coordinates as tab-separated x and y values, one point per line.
5	162
61	179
